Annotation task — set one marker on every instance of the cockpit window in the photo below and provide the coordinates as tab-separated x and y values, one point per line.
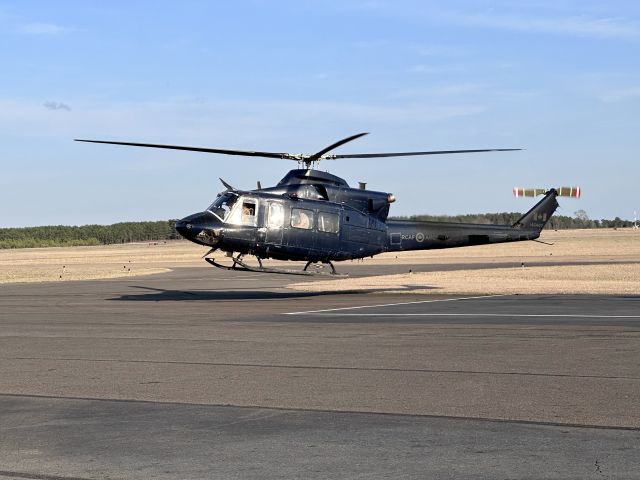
223	204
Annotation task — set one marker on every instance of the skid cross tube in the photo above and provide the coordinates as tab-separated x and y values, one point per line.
240	265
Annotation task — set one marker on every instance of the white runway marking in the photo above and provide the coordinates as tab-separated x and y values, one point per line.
394	304
510	315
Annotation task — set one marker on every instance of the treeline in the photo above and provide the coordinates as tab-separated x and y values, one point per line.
64	236
557	222
126	232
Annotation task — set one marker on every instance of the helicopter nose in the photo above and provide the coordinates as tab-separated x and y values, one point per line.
202	228
181	227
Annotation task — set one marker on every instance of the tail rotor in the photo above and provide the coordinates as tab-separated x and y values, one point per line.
573	192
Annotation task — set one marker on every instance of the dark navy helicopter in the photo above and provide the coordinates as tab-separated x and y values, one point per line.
314	216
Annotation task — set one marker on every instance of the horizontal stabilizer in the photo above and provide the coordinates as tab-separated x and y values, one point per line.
560	192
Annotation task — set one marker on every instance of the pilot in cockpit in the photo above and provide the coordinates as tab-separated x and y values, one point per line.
248	212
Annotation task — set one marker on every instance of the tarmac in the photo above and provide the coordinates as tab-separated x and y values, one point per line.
201	373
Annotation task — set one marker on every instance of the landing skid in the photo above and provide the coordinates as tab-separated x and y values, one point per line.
241	266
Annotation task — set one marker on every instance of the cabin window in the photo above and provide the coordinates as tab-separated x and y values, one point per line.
249	209
301	218
328	222
276	216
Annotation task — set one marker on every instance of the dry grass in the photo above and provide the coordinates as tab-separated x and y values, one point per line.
84	263
619	246
565	279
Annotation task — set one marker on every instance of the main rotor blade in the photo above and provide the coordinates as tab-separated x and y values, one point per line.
227	186
198	149
316	156
297	157
407	154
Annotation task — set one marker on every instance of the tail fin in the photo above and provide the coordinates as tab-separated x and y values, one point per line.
539	215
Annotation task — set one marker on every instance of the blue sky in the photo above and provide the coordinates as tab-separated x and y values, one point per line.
558	78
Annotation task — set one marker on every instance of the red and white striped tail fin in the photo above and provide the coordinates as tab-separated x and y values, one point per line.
560	192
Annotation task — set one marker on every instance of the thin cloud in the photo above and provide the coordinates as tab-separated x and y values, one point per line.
606	27
440	50
42	29
56	106
321	75
435	69
371	44
438	91
220	120
573	18
621	94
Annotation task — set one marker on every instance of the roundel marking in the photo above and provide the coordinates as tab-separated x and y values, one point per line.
419	237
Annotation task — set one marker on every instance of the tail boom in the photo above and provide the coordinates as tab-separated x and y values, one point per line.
408	235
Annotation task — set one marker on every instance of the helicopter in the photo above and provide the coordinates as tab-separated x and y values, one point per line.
316	217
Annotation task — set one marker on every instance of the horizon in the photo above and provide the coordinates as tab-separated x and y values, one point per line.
391	217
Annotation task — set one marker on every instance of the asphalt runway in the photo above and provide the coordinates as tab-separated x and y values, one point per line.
201	373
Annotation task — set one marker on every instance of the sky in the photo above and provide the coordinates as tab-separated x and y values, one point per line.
558	78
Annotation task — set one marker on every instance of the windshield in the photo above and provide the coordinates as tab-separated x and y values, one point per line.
222	206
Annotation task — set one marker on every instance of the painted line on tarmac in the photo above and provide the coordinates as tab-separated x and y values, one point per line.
319	367
36	476
319	410
394	304
508	315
